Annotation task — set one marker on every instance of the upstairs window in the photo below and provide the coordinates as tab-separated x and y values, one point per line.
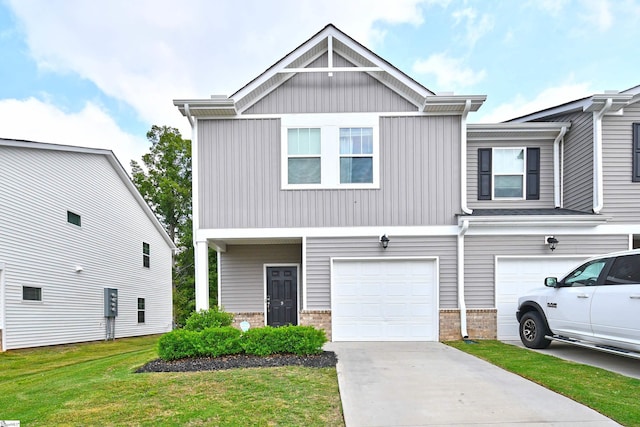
635	156
509	173
329	151
73	218
304	156
146	255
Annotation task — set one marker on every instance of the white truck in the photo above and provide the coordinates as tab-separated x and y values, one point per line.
597	305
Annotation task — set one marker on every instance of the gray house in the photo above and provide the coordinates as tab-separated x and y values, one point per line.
338	192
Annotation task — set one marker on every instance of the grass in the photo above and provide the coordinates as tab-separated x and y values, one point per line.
613	395
95	384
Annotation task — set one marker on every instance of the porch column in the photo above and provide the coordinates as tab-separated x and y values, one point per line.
202	275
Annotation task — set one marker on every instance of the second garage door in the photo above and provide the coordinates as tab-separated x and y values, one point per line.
384	300
517	275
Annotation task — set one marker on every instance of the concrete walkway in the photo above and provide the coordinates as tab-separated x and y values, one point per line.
431	384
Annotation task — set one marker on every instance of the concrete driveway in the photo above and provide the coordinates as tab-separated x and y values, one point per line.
431	384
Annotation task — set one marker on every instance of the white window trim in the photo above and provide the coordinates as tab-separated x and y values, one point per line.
329	125
523	174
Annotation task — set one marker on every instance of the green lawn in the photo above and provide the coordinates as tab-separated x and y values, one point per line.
95	384
611	394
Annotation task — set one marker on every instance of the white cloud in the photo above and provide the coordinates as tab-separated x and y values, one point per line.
34	120
476	26
550	97
597	13
451	73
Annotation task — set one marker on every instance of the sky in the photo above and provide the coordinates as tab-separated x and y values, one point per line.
100	74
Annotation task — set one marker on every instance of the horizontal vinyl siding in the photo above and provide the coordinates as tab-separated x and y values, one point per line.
319	93
480	252
240	178
546	176
578	158
321	250
40	249
621	195
241	273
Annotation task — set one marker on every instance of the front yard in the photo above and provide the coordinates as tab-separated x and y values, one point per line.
95	384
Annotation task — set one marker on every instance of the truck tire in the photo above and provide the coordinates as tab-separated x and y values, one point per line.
533	330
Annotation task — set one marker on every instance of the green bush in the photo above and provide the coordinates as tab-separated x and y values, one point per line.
216	342
178	344
204	319
285	339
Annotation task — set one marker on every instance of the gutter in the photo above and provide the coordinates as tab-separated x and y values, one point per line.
598	179
461	302
557	180
463	158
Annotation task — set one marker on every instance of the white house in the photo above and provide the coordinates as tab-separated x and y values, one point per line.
72	224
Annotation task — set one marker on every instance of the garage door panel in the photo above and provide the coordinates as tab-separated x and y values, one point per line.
391	300
515	277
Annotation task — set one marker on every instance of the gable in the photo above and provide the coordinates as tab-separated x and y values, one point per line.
321	93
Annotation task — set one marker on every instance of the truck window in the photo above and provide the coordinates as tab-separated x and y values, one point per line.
625	271
585	275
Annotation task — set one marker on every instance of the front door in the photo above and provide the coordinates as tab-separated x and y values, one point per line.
282	295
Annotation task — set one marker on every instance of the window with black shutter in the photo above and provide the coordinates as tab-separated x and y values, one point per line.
636	153
533	174
484	173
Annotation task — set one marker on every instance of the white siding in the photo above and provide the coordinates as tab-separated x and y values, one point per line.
40	248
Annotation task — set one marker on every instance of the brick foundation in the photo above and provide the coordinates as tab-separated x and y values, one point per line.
481	324
319	319
255	319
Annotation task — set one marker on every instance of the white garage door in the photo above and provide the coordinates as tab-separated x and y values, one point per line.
516	276
384	300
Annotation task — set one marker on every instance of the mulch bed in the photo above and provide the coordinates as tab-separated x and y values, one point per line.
326	359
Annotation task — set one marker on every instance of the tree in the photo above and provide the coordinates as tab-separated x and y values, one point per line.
165	183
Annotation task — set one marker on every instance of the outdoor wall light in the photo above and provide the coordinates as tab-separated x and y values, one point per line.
552	242
384	241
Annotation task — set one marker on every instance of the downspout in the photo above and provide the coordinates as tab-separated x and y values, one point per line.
463	158
461	303
598	178
557	186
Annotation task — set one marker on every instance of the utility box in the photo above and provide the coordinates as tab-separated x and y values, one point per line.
110	302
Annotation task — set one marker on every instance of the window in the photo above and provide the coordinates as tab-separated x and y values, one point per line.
625	270
303	149
146	255
140	310
356	155
31	294
509	173
73	218
636	153
585	275
329	151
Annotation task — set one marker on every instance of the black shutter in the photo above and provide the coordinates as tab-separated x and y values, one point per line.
636	153
484	173
533	174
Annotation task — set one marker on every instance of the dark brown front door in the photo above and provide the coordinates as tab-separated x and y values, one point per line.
282	296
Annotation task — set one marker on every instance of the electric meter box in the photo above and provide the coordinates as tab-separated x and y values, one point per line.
110	302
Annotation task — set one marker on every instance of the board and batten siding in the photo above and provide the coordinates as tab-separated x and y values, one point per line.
621	195
546	175
480	253
321	250
344	92
242	277
40	248
240	171
578	162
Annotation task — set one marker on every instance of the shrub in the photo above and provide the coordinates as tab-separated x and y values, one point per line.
212	318
216	342
285	339
178	344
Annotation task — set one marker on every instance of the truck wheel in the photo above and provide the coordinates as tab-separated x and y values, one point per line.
533	329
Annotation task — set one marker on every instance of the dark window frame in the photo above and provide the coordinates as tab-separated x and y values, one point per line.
635	152
31	293
141	310
74	218
146	255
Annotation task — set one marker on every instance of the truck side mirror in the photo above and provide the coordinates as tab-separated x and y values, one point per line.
551	282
